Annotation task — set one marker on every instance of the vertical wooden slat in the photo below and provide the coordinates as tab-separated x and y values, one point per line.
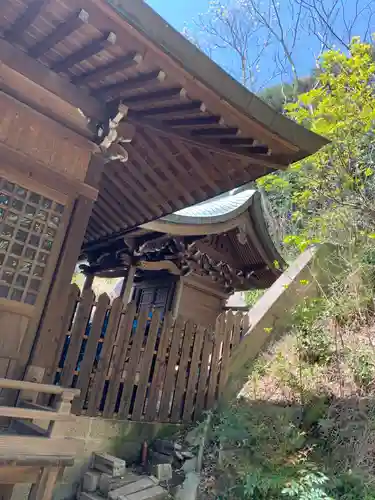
213	379
146	366
182	371
122	343
204	371
131	367
245	326
237	329
170	372
96	390
86	367
159	370
66	318
229	324
77	332
193	375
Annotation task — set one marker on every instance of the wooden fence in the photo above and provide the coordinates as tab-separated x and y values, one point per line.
140	366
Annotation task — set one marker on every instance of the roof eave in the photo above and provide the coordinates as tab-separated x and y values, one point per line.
143	18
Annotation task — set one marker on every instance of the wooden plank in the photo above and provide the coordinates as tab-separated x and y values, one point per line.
213	379
22	385
227	342
153	148
159	369
57	298
7	491
76	337
48	80
182	377
161	151
146	366
122	343
16	412
144	169
13	474
170	372
17	446
59	33
105	357
43	488
119	64
132	364
204	371
86	367
89	50
238	317
17	30
193	375
74	294
143	80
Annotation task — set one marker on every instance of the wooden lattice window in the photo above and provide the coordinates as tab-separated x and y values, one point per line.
28	227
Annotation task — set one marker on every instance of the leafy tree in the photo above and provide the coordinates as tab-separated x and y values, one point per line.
331	195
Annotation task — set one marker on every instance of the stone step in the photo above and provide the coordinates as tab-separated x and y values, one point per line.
107	483
85	495
104	462
155	493
129	489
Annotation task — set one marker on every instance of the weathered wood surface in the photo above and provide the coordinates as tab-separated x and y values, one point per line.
150	368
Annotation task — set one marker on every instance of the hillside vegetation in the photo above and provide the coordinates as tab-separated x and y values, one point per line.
304	426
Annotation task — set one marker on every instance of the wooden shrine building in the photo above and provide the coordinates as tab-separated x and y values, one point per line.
191	261
110	120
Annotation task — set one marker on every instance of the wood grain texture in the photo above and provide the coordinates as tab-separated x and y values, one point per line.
121	350
96	391
159	370
193	375
145	367
182	374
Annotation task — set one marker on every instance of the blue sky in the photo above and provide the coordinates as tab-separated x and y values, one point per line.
179	12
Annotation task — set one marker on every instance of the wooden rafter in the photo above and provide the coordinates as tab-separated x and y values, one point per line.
143	80
89	50
17	30
194	123
59	33
97	74
174	111
45	78
157	97
118	189
148	170
163	156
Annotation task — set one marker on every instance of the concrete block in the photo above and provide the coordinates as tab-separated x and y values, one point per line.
162	472
108	483
165	446
104	462
124	491
90	481
189	488
84	495
190	465
160	458
105	428
155	493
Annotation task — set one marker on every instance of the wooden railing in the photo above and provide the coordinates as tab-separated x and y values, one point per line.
32	453
141	366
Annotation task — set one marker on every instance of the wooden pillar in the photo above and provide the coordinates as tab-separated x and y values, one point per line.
45	188
89	279
128	285
40	350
